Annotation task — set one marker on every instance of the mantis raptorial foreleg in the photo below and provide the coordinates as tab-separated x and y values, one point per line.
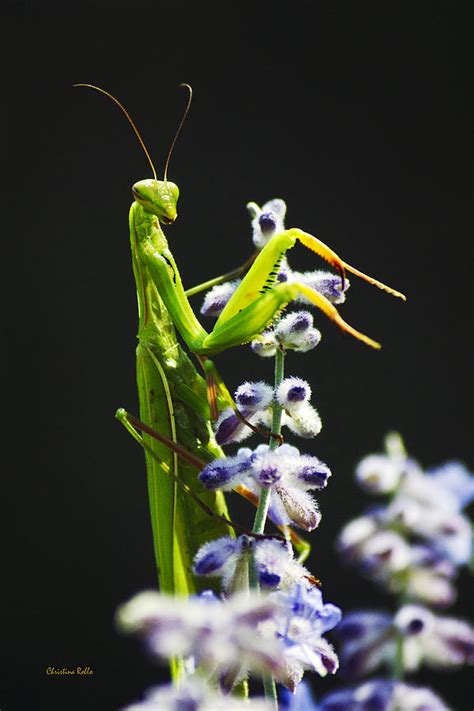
257	299
254	318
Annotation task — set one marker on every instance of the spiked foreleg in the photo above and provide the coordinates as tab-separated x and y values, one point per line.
262	275
256	317
315	245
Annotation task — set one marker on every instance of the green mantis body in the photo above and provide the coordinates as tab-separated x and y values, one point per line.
173	402
174	398
164	305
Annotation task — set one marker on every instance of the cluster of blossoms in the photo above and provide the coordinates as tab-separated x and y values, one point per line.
295	332
255	403
413	545
284	472
227	638
229	559
372	639
417	540
270	618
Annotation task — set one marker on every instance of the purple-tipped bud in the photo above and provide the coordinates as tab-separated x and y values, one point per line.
415	626
413	619
212	556
267	469
215	476
328	284
266	345
276	566
282	276
295	331
268	476
226	473
269	580
313	337
292	392
254	396
218	297
250	399
297	393
297	322
267	222
313	472
228	426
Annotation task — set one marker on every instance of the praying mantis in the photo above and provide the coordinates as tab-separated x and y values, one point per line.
176	401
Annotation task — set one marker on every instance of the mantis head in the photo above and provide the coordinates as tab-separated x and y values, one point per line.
157	197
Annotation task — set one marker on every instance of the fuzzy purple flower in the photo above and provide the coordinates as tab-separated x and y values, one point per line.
447	531
218	297
287	474
267	220
372	639
301	622
251	399
420	572
293	395
228	557
295	331
327	283
218	635
228	472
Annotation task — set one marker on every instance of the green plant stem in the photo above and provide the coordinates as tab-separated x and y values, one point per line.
264	501
269	688
269	685
398	665
277	409
398	669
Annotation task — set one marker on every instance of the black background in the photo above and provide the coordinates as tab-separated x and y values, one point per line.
358	115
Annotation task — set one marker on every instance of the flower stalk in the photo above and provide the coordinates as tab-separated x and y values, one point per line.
277	410
269	685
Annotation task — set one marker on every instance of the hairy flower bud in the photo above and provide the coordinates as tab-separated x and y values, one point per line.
218	297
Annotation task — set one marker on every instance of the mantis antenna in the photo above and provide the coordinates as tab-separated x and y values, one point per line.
116	101
186	110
